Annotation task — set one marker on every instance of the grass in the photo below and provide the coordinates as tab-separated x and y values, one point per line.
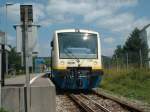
134	83
3	110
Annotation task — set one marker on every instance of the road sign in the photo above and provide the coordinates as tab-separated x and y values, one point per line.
23	9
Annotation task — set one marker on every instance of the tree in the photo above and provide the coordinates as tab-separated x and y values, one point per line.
118	51
118	56
134	45
3	110
14	59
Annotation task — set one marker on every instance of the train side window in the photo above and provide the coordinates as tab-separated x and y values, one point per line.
52	44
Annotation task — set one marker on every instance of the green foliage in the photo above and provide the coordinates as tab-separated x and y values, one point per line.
133	83
48	61
118	56
119	51
106	61
134	44
14	59
132	47
3	110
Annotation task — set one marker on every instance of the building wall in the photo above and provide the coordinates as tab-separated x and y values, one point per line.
145	35
148	42
32	38
148	36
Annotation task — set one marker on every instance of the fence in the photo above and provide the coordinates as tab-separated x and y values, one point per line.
127	60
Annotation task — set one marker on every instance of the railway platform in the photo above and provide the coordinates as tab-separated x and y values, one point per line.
42	94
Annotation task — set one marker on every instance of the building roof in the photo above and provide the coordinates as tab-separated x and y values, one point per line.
2	33
145	27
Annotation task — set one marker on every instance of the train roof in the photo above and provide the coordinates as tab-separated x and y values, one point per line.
76	30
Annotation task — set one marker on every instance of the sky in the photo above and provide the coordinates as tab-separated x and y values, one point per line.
113	19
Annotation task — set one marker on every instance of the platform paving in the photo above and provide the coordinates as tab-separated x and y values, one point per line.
41	82
20	79
43	94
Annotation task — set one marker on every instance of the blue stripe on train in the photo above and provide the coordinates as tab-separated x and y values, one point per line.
82	82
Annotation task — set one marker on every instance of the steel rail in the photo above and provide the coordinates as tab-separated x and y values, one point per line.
97	104
117	100
81	104
68	103
87	108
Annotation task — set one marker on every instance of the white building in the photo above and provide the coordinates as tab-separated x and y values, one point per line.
32	41
32	38
2	37
145	35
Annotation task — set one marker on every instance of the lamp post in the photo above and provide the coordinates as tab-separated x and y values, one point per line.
2	44
26	18
7	4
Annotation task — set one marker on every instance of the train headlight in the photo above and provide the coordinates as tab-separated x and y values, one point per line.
95	62
85	37
62	62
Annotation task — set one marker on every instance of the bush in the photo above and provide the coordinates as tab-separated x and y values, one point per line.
134	83
3	110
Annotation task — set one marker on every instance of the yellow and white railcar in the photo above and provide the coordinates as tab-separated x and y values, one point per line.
76	59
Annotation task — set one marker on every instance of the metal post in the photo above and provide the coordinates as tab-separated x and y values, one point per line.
24	47
141	61
0	75
27	61
7	4
2	47
22	58
127	60
117	63
6	62
3	65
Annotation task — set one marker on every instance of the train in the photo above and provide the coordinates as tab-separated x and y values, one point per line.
76	59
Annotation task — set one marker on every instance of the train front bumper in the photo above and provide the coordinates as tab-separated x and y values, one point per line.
84	81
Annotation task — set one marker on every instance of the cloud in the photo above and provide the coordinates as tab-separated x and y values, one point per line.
140	23
38	11
11	40
13	11
105	14
68	6
109	40
122	23
44	50
107	51
90	17
89	10
57	19
65	11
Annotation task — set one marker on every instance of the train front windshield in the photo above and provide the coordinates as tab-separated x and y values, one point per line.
77	45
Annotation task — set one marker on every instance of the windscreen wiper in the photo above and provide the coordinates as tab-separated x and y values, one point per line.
72	55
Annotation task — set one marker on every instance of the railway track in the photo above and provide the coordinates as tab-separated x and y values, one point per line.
94	103
128	105
87	104
65	104
91	102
